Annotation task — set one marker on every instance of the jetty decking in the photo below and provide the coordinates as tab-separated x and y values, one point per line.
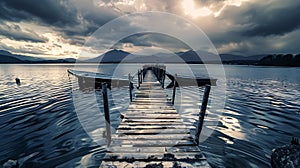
152	134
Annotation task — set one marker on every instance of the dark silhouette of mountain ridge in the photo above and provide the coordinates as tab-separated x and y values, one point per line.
7	57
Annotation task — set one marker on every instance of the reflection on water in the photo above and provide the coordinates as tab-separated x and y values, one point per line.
40	125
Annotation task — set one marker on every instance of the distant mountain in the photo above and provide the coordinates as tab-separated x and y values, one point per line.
190	56
66	60
20	57
241	60
3	52
112	56
232	57
7	57
256	57
116	56
289	60
70	60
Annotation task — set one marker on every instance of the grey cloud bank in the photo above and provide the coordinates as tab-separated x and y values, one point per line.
246	28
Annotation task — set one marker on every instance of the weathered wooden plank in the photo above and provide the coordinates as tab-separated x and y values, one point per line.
155	123
145	112
153	116
189	156
163	149
153	131
154	143
141	101
149	106
133	127
158	136
115	164
152	120
137	109
151	96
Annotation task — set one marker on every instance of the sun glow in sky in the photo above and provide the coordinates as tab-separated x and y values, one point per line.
190	8
193	10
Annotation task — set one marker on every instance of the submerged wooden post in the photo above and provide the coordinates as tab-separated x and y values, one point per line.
163	78
106	113
202	113
139	78
18	81
174	89
158	73
142	75
130	87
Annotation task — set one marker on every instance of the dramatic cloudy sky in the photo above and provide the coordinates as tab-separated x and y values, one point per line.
60	28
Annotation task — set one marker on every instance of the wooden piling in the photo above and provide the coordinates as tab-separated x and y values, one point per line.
202	112
174	90
130	87
139	78
106	113
163	78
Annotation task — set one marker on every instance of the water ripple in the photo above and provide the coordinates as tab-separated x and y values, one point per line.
39	125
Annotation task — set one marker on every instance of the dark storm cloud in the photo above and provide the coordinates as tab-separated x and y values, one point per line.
257	27
267	20
154	39
263	18
9	14
90	16
24	49
15	32
76	40
138	40
54	12
69	17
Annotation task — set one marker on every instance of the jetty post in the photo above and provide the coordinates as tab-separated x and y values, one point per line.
163	78
174	89
18	81
158	72
142	77
106	113
202	112
139	78
130	87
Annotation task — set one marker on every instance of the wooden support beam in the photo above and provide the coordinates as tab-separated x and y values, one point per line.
202	112
174	90
106	113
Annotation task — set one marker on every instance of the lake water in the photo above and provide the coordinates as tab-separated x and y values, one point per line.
48	122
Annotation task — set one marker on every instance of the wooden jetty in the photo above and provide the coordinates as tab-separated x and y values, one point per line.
151	133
